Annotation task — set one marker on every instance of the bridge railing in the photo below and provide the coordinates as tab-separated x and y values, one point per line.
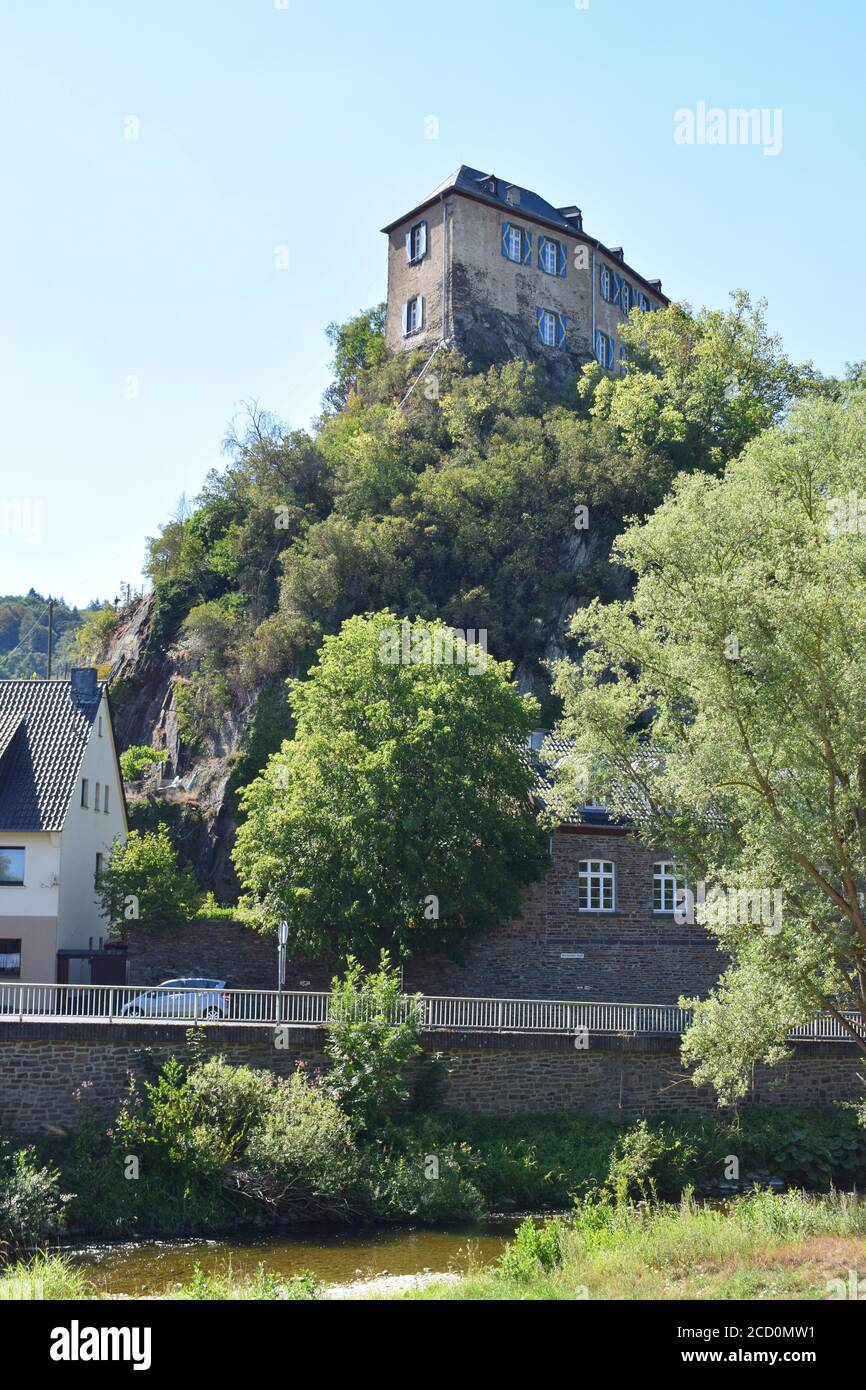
311	1008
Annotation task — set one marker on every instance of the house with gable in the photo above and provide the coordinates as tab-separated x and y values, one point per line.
61	808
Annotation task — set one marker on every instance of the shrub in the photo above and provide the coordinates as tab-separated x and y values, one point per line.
372	1041
32	1205
534	1250
136	758
142	881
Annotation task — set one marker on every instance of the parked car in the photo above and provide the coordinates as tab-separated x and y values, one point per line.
186	998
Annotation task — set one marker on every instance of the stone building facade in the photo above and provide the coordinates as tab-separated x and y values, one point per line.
500	272
561	945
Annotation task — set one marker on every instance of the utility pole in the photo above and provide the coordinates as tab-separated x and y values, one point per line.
50	633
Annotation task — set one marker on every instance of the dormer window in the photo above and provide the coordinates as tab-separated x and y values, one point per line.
513	197
489	186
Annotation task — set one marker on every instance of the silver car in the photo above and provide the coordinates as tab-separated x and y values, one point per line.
186	998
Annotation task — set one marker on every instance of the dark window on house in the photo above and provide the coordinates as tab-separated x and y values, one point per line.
11	866
96	797
98	870
603	349
413	315
10	958
105	798
605	282
85	788
595	885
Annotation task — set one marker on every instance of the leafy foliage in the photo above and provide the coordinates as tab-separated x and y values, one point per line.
32	1204
371	1042
727	696
398	814
136	758
24	635
142	881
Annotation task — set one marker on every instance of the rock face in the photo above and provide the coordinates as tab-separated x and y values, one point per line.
144	677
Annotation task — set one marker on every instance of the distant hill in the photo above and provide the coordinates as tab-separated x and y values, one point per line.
24	635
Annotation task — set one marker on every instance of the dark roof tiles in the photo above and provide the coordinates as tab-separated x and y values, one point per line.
43	734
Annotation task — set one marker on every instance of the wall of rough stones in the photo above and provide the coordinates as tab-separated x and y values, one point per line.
44	1066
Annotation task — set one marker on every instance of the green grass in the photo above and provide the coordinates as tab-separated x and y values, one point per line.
760	1246
43	1276
224	1285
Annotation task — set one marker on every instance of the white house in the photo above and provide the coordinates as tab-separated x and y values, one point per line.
61	807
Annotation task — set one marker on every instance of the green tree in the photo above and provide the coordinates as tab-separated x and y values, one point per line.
726	701
143	882
94	635
136	758
372	1040
358	343
398	815
698	386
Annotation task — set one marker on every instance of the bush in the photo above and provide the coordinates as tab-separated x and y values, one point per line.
142	881
136	758
32	1205
404	1179
534	1250
370	1051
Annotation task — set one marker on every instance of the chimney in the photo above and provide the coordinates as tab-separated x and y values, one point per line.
82	684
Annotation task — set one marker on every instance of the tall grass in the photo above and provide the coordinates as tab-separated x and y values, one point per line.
43	1276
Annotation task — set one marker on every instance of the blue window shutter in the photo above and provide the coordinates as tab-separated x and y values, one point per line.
420	311
612	351
405	318
539	313
505	226
617	289
527	248
422	240
542	242
599	347
409	245
563	259
563	326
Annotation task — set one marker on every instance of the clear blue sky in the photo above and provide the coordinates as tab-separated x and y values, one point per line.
304	127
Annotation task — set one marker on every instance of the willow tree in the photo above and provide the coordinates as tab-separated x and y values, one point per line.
727	700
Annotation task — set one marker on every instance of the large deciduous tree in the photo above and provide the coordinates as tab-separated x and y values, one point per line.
398	816
728	697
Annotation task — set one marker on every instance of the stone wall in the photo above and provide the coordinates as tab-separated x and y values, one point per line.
551	950
42	1066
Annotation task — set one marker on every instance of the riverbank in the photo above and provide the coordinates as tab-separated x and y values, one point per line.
763	1246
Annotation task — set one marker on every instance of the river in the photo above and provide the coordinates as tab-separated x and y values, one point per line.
138	1268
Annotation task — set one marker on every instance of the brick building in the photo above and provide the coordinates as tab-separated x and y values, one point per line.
500	272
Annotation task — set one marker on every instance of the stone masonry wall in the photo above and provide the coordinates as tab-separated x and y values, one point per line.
42	1066
551	950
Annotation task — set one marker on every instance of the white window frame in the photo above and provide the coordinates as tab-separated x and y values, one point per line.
415	252
668	883
625	296
550	257
548	327
606	283
413	314
515	232
594	876
606	345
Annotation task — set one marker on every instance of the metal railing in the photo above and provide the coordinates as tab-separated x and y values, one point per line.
313	1008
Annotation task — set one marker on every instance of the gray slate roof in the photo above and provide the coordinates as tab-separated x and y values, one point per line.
43	735
546	793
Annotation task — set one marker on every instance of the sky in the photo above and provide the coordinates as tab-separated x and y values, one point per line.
193	189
